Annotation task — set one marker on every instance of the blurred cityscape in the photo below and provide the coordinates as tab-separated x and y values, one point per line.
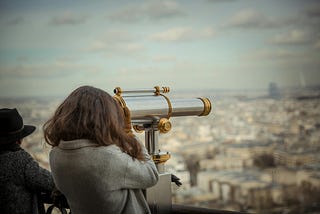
255	152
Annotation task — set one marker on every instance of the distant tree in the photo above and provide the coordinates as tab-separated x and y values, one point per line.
211	153
302	199
264	161
193	166
309	196
289	195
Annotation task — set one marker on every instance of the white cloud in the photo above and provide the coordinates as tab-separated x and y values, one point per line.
218	1
183	34
191	74
112	39
250	18
15	21
162	9
259	19
116	48
272	54
295	36
118	36
57	68
132	47
117	42
130	13
284	57
149	10
165	58
208	32
317	45
174	34
68	18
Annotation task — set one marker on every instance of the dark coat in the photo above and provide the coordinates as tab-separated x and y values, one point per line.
21	178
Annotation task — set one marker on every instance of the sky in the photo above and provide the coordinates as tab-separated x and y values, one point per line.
49	48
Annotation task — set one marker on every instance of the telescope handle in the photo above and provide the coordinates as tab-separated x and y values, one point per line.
156	90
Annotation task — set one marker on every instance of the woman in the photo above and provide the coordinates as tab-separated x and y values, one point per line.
21	177
97	165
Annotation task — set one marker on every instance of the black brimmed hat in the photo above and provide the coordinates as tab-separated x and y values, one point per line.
12	128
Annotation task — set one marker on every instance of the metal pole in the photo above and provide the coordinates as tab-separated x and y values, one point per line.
151	140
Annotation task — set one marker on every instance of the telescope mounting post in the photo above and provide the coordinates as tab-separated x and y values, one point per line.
152	144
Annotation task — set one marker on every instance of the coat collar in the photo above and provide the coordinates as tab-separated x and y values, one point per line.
76	144
12	147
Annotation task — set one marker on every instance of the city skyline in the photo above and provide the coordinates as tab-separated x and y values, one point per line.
49	48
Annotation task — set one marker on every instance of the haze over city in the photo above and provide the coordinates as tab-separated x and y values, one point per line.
51	47
255	152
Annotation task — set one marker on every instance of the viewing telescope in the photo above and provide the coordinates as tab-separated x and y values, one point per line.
150	110
145	106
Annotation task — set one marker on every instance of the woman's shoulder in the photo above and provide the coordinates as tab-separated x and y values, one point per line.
112	149
85	147
111	153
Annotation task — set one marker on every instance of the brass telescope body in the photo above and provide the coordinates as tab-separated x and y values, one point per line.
145	104
145	107
150	110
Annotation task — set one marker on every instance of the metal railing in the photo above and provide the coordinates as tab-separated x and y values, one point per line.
185	209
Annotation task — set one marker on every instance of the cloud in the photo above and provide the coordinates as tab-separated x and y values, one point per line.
117	42
255	19
42	78
293	37
116	36
286	57
111	49
143	76
165	58
68	18
303	28
313	11
57	68
15	21
162	9
250	18
207	32
219	1
149	10
307	17
311	17
183	34
317	45
272	54
174	34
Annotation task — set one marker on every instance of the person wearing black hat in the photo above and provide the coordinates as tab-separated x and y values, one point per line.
21	177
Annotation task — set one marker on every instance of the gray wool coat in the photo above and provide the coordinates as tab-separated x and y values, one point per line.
101	179
20	179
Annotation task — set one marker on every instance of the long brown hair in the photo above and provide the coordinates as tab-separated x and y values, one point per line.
91	113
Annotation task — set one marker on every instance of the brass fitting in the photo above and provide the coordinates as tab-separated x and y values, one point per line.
138	128
161	158
206	107
166	89
164	125
117	91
